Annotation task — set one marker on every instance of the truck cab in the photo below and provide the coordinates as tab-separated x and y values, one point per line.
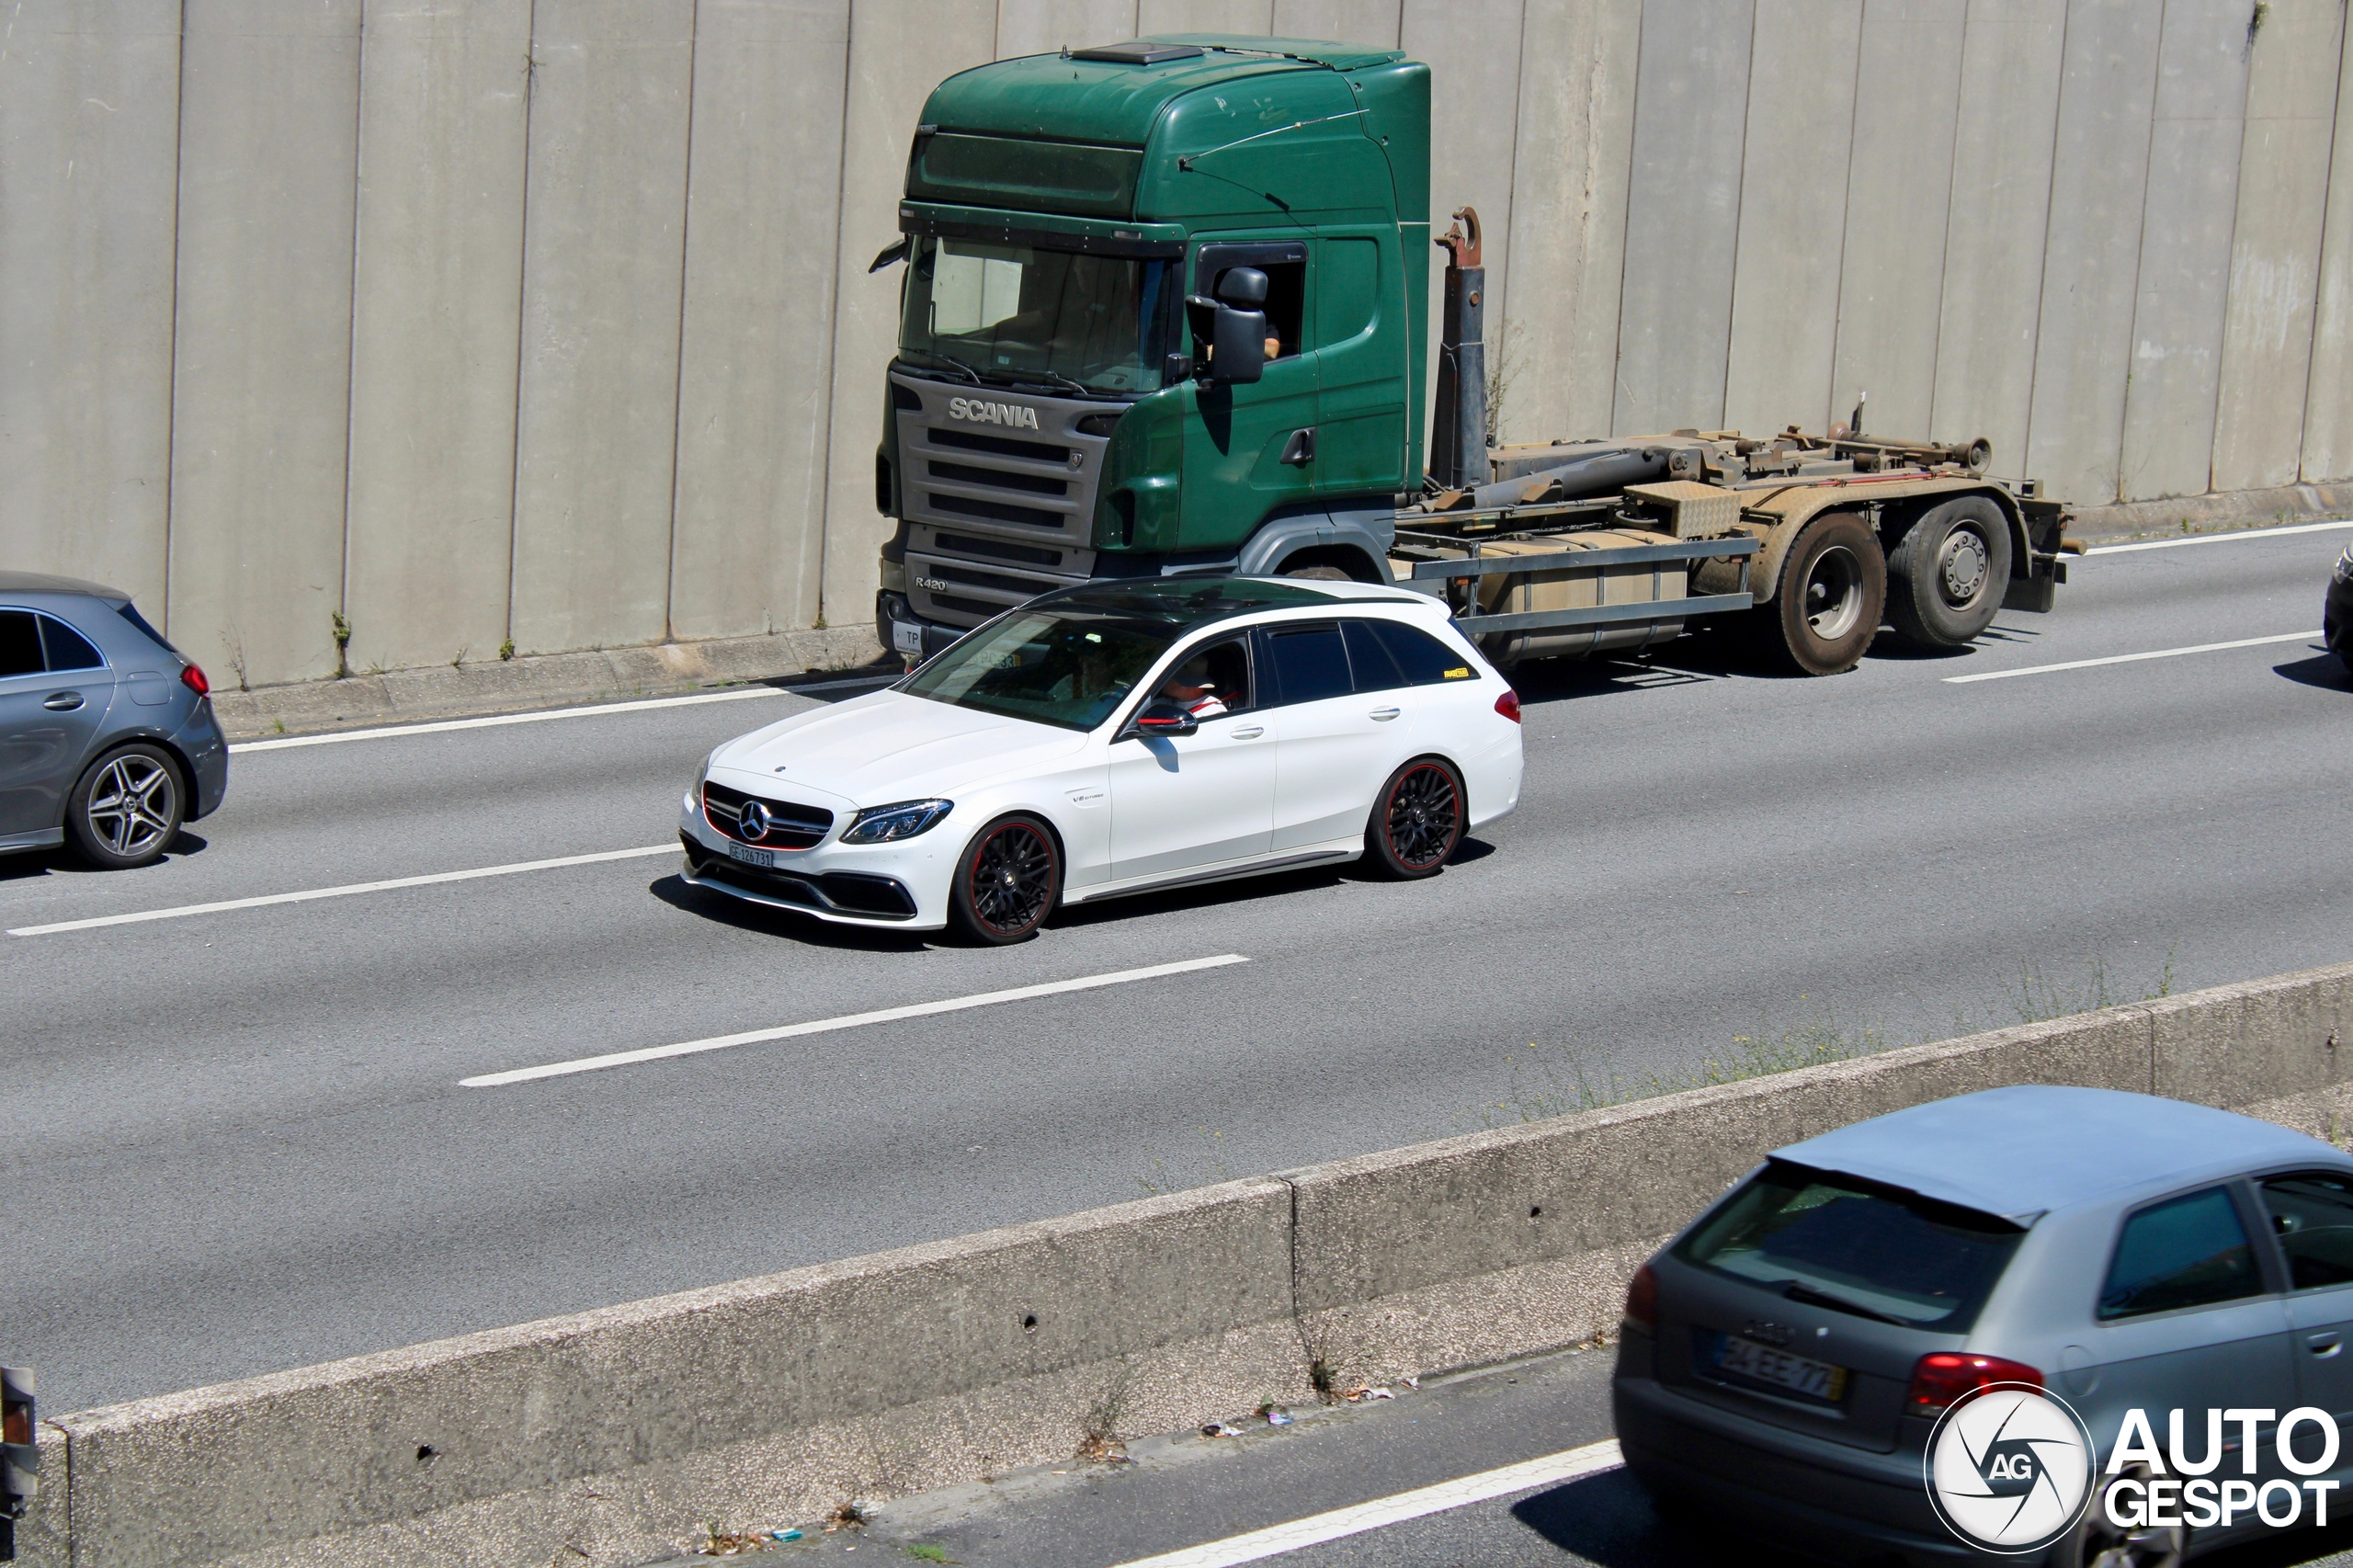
1085	237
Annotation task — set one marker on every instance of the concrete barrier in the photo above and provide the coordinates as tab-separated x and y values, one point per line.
610	1437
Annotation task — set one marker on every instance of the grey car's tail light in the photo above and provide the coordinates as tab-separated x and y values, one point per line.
1945	1377
1642	1298
20	1455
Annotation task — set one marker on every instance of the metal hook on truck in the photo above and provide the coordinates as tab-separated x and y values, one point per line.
1165	312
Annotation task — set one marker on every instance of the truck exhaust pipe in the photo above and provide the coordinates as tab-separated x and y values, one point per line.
1458	430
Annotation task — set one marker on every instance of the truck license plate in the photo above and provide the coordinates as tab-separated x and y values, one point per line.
1762	1363
906	639
749	855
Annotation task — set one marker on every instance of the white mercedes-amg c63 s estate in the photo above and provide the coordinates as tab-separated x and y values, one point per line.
1114	738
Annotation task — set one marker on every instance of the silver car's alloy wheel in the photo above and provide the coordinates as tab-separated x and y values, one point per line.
131	800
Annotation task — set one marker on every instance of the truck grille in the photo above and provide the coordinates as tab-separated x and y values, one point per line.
995	518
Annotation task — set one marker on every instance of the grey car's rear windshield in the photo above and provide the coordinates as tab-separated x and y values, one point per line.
1839	1242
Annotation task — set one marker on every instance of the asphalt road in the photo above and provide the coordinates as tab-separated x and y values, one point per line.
237	1141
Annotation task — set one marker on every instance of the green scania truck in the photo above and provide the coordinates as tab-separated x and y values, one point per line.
1165	310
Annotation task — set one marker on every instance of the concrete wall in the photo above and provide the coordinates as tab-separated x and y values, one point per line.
485	322
605	1437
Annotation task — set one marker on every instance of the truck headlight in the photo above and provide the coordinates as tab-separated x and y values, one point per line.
887	824
2344	573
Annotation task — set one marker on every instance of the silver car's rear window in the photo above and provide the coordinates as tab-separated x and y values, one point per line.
1835	1241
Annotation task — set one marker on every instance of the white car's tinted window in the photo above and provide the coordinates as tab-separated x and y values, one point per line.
68	649
1307	663
1425	660
1068	669
1369	657
2313	1215
1813	1236
20	644
2185	1252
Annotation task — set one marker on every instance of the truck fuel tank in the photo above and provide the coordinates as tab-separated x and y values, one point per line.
1515	593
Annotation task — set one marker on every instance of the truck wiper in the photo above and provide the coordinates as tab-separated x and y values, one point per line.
1798	1292
1056	378
969	374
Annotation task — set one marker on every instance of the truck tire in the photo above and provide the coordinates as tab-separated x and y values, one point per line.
1833	588
1007	880
1417	820
1945	579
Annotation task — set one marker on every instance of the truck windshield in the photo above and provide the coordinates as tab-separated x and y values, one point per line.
1833	1240
1018	313
1068	668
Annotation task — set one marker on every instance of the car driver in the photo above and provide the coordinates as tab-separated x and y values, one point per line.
1189	688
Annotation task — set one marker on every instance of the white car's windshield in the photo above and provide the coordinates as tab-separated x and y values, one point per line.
1070	657
1068	668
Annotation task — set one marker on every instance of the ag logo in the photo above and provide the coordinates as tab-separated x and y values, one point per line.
2009	1469
977	412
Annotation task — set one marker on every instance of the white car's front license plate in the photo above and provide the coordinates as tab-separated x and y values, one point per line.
1762	1363
906	639
749	855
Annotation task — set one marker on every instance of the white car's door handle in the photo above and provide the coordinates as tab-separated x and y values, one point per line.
1252	733
1386	713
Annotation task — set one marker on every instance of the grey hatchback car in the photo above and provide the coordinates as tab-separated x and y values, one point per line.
107	739
1786	1357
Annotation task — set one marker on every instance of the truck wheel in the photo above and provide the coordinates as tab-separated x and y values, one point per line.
1417	820
1946	580
1007	881
1834	586
126	809
1318	573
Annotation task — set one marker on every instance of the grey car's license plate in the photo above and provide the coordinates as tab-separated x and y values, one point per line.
749	855
1778	1368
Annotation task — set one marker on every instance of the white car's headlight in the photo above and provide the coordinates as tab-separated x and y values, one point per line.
2344	573
886	825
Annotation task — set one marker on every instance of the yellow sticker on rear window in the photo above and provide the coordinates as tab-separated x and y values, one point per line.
1460	672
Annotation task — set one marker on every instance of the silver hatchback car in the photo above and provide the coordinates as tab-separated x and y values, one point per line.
1786	1358
107	739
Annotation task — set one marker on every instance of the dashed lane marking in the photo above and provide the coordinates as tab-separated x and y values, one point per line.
2133	658
847	1021
347	891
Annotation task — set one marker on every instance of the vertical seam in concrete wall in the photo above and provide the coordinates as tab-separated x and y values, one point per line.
1845	225
2140	253
1625	216
351	334
834	328
1944	252
1740	204
523	307
2327	184
2049	202
678	378
2214	409
1511	184
163	608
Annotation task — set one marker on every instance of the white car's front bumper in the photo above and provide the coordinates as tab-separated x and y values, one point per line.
898	886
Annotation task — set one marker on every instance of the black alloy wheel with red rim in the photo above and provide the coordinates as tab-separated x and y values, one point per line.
1417	819
1007	881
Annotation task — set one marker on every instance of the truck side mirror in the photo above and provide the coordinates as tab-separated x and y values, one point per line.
1243	287
1238	348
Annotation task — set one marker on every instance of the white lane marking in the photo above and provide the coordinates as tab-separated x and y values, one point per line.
1382	1511
2132	658
2230	537
847	1021
345	892
733	694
